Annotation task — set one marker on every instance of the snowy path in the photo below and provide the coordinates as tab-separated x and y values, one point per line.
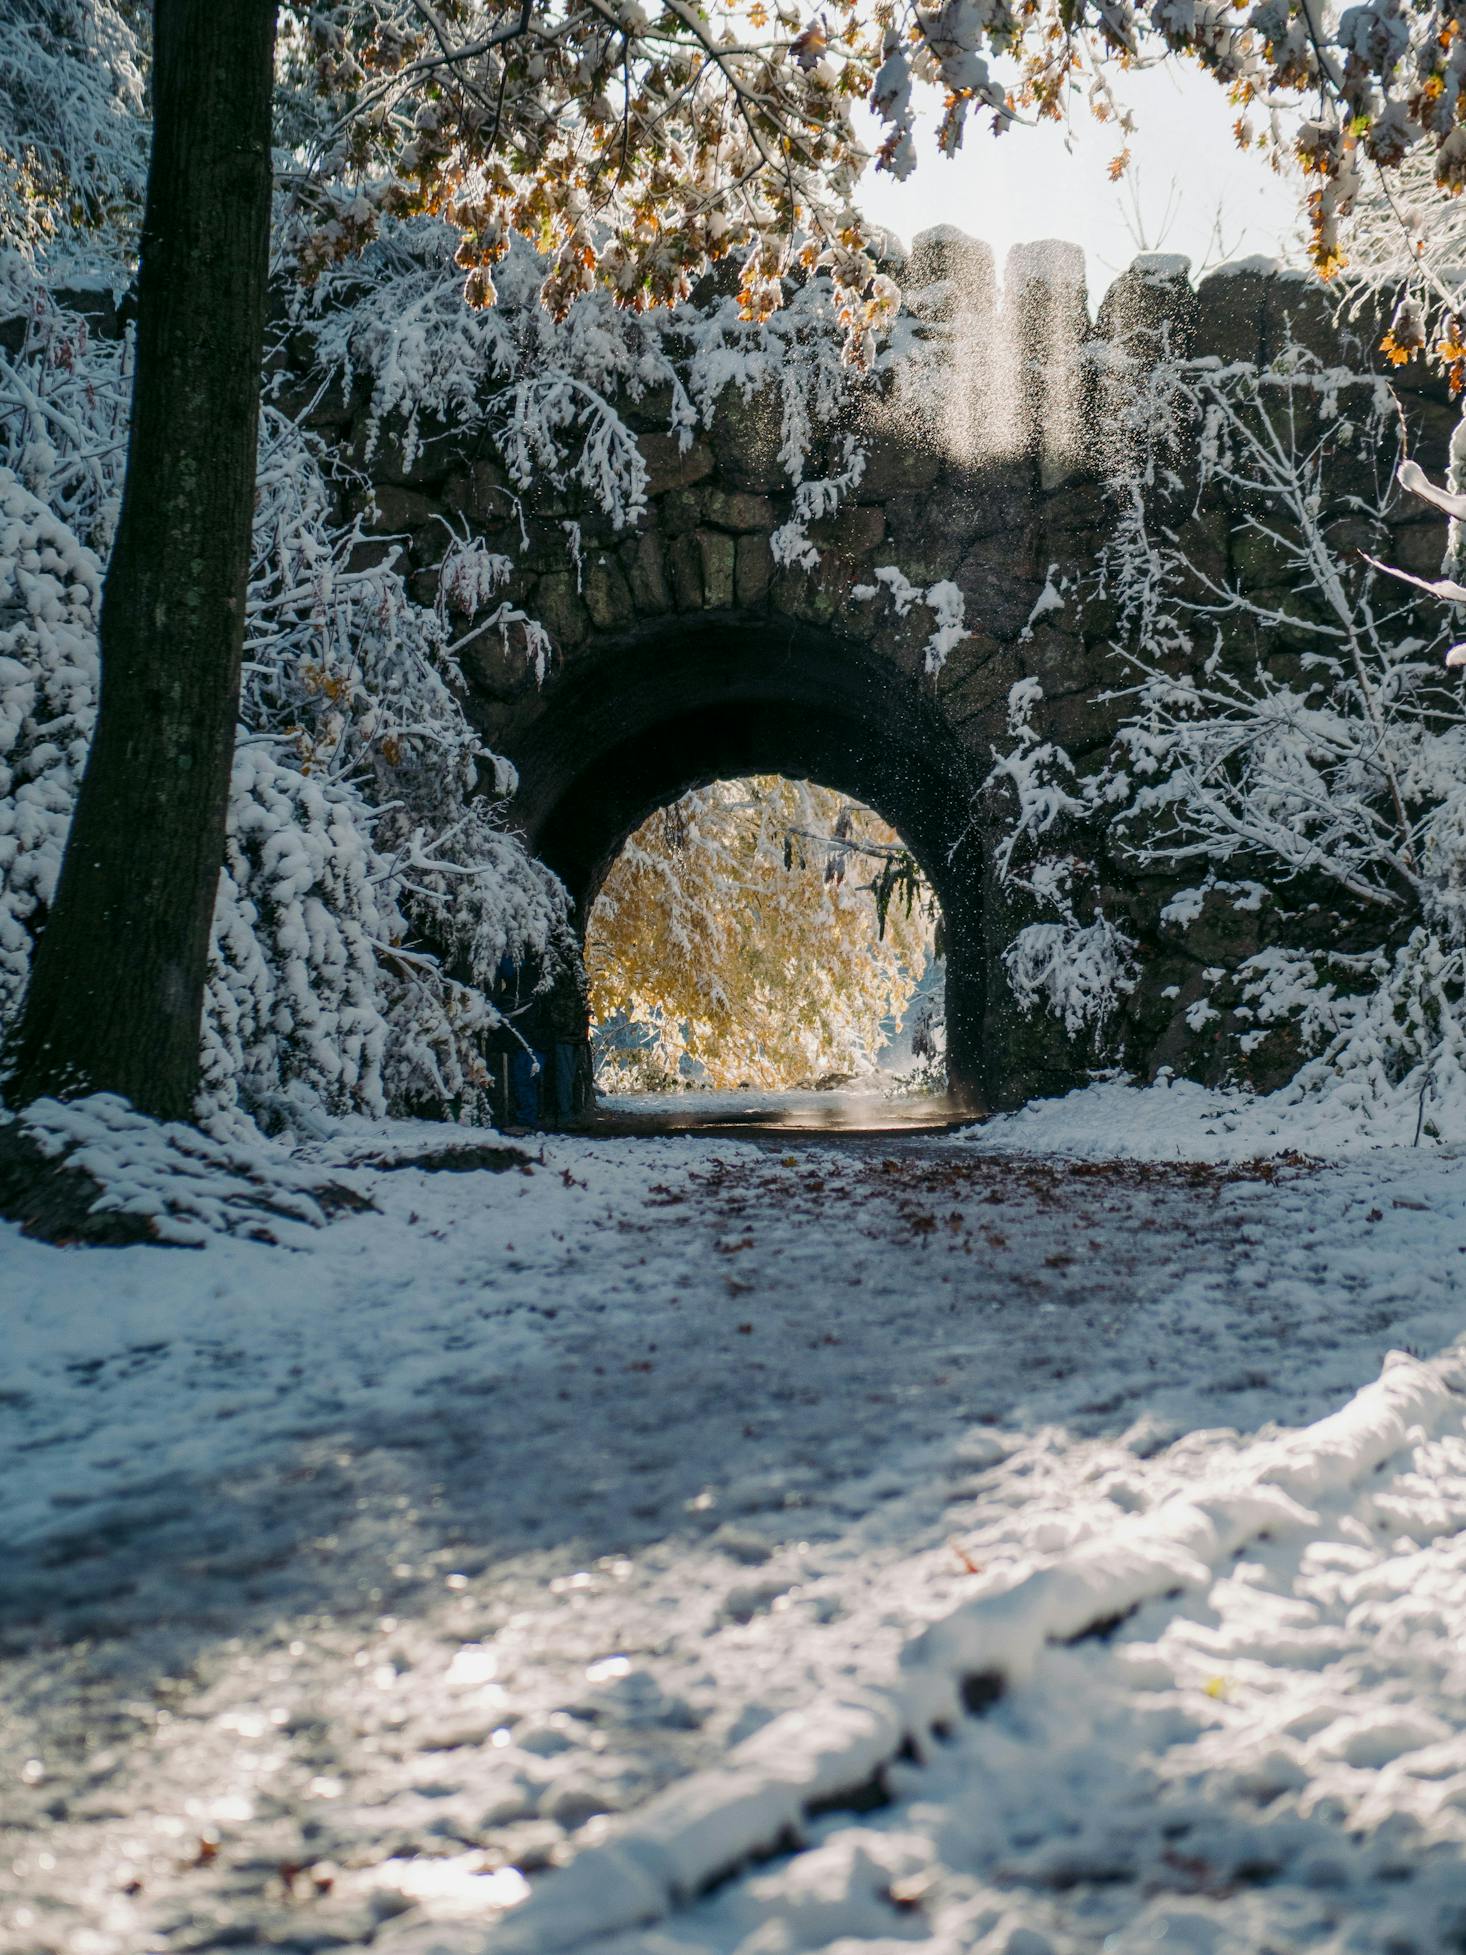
1275	1762
338	1582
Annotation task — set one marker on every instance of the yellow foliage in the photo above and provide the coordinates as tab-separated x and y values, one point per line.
740	928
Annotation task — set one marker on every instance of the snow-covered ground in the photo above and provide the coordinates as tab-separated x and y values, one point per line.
507	1565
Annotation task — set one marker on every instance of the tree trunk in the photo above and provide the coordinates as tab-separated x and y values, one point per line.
116	992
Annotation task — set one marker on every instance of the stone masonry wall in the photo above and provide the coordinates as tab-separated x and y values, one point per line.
995	481
682	648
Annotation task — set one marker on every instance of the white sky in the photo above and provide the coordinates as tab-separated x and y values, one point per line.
1188	188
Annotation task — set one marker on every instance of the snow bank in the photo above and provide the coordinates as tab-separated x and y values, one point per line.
180	1184
1178	1120
702	1829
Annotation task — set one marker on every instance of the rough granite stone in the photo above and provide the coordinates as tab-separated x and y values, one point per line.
607	594
560	610
647	576
739	509
684	560
754	570
718	562
670	466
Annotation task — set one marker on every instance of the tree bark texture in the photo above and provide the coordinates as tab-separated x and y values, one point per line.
116	994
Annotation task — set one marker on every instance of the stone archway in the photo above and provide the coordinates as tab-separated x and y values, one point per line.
718	696
734	623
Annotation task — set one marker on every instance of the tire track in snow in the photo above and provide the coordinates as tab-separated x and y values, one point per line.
834	1754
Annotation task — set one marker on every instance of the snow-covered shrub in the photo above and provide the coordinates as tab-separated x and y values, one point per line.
1074	962
73	144
358	689
1290	730
128	1178
1386	1031
50	588
1331	762
1077	970
370	889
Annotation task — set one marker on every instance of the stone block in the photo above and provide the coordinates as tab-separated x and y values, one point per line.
746	438
718	564
680	510
1305	312
1150	310
963	507
1431	425
949	273
496	669
854	530
684	560
490	493
860	619
540	546
558	606
754	570
965	681
1251	312
898	463
429	544
401	509
1082	722
1231	304
803	594
1085	507
1056	658
1260	564
1045	309
607	594
1418	547
1205	540
1000	590
739	509
433	453
669	467
1220	933
552	504
329	411
647	575
371	554
652	412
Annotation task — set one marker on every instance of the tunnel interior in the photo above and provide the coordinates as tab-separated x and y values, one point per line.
629	729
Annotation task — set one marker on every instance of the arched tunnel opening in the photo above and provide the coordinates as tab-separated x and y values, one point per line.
631	725
767	936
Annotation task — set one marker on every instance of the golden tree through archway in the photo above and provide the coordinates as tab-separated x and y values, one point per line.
764	931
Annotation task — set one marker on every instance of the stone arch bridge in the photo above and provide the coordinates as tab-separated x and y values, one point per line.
683	651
